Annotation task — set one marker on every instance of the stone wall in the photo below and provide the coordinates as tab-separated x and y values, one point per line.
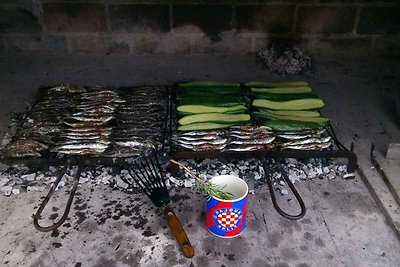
197	27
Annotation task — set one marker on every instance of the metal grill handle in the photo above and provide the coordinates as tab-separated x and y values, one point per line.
38	213
291	186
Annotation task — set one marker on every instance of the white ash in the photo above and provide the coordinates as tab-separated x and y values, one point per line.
16	181
285	60
252	171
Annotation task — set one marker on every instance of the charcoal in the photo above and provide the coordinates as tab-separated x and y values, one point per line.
15	191
284	192
120	182
29	177
349	176
6	190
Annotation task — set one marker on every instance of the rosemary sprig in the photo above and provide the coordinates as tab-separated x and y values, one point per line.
207	188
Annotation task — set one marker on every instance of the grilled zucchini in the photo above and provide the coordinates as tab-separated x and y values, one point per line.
214	117
298	104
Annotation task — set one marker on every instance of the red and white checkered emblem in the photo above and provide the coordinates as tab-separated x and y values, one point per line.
228	219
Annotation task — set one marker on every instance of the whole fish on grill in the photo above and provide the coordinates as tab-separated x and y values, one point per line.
195	138
95	111
250	128
73	135
307	141
67	89
218	141
250	147
204	147
92	107
313	146
80	152
95	119
95	146
298	136
262	141
82	139
122	152
88	129
24	147
202	133
304	132
251	137
83	124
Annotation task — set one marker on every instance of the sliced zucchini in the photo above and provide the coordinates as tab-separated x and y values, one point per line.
214	117
299	113
298	104
283	90
283	97
203	126
211	90
320	120
289	126
196	109
222	102
207	84
276	84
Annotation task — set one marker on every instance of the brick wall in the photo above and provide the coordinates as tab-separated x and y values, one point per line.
197	27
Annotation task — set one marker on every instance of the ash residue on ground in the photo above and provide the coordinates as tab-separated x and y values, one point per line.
285	59
252	171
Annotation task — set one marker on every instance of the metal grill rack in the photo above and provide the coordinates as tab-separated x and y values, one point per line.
268	158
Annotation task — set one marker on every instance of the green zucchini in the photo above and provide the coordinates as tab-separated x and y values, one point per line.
283	97
197	93
207	84
211	90
211	102
203	126
299	113
196	109
320	120
289	126
298	104
276	84
214	117
283	90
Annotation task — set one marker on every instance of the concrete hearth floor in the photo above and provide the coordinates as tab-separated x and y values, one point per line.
345	224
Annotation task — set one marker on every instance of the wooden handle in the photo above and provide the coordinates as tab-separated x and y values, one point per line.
178	231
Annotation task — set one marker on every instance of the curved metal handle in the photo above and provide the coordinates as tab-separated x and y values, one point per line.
38	214
291	186
178	231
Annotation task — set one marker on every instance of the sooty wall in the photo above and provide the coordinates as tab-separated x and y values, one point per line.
197	27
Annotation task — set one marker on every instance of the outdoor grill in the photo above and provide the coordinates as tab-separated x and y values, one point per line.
162	139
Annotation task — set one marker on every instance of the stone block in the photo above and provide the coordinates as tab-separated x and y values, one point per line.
35	43
325	19
211	19
98	44
19	18
139	18
379	20
74	17
265	19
